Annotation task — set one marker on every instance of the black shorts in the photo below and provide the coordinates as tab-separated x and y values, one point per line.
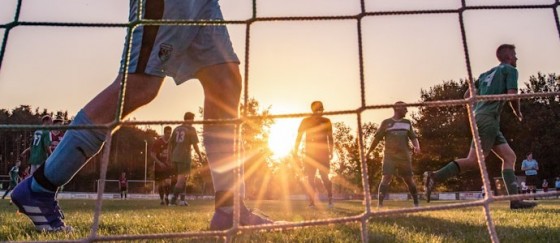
531	180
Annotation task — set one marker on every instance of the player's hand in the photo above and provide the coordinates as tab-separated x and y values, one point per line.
520	116
416	150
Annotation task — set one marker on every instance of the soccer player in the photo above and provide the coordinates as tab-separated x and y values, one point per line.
530	166
123	185
182	139
163	172
204	52
14	178
318	150
501	79
396	131
56	135
40	146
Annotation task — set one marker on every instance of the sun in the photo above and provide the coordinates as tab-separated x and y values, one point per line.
282	137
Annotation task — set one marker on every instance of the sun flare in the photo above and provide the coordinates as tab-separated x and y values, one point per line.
282	137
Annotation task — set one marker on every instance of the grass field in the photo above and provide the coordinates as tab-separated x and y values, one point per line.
147	216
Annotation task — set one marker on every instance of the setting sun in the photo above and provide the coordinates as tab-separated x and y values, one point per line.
282	136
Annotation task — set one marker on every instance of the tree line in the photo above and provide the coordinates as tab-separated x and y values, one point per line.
444	134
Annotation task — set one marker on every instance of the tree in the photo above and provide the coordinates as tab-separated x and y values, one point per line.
258	164
348	167
443	132
540	129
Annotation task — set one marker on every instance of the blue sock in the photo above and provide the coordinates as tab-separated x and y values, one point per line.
75	149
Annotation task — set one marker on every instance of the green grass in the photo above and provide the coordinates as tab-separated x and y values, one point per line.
541	224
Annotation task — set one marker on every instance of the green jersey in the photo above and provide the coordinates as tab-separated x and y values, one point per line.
39	147
182	138
14	174
497	80
396	134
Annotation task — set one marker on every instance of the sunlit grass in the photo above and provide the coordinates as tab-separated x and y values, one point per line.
133	217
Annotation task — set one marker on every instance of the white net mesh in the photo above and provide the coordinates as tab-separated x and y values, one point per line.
367	213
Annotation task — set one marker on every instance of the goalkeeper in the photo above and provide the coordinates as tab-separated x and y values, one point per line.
203	52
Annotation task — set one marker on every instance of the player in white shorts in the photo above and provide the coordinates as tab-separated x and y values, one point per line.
181	52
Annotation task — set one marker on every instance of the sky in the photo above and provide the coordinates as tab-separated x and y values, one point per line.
292	63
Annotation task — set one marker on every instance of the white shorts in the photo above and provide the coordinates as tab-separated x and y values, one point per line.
173	50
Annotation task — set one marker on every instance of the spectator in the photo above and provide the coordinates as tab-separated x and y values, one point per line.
530	166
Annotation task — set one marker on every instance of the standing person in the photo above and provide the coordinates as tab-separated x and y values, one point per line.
40	146
163	172
204	52
318	150
14	178
24	173
557	185
501	79
545	185
56	135
182	139
530	166
123	185
397	157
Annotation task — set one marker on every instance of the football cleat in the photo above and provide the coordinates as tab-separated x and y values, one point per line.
41	207
519	204
223	220
429	184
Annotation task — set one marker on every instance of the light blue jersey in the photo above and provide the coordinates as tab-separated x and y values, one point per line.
532	165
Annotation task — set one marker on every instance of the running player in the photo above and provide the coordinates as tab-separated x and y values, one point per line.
318	150
40	146
396	131
183	52
14	178
163	172
501	79
182	139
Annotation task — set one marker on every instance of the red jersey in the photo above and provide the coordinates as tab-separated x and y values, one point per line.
123	182
159	147
55	139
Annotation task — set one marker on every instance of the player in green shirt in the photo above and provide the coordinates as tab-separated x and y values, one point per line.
40	146
182	139
14	178
501	79
396	131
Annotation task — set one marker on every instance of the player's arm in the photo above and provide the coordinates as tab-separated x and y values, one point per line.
414	140
170	146
330	139
515	105
415	145
523	166
153	155
536	165
379	135
25	151
197	150
298	138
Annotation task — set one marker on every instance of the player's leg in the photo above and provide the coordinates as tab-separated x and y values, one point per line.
412	189
310	170
10	187
76	148
324	170
222	89
488	129
405	172
508	157
383	188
